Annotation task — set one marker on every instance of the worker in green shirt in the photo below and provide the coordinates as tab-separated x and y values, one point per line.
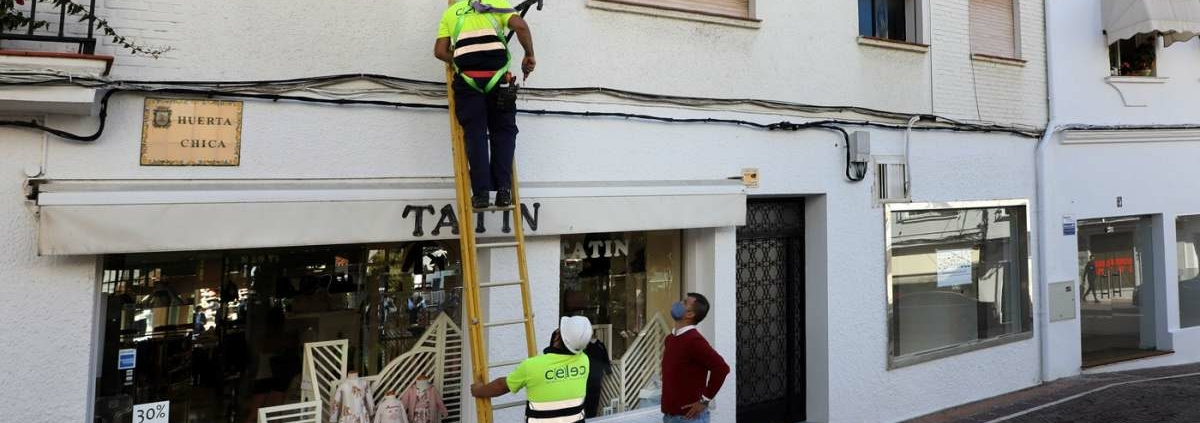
555	382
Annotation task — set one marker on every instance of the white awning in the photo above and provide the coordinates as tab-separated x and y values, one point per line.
102	217
1175	20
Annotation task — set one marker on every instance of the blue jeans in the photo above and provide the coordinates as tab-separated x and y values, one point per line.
701	418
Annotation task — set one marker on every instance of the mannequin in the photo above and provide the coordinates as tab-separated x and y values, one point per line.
390	410
351	402
423	402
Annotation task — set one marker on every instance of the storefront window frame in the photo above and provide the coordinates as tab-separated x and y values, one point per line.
896	362
1180	222
680	239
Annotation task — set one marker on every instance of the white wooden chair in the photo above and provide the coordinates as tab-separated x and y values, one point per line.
302	412
324	366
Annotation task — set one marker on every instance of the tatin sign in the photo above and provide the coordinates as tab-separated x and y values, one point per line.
184	132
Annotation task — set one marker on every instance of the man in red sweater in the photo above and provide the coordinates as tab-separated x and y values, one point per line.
692	371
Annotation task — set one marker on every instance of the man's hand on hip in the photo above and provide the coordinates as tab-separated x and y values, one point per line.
694	409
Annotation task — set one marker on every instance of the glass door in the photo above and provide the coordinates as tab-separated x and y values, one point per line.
1116	290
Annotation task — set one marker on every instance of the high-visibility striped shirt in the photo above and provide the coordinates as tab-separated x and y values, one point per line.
478	47
555	385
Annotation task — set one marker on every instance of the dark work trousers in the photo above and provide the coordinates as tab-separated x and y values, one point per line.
484	127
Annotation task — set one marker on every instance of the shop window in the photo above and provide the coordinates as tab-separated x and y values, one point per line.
1187	243
220	335
625	283
897	20
958	279
1135	56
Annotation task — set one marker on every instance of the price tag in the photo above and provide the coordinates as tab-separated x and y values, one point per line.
152	412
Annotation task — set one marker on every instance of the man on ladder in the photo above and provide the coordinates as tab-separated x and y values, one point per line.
555	382
471	39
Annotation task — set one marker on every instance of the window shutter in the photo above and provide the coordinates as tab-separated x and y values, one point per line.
993	30
730	8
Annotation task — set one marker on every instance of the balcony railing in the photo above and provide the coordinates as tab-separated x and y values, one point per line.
87	44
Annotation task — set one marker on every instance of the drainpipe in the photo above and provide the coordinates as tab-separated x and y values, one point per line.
1042	319
907	160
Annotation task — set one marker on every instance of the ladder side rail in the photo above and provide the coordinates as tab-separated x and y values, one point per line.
467	252
522	267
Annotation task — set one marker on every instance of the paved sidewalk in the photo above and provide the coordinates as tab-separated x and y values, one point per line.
1140	399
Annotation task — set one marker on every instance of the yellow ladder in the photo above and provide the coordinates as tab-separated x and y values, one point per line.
471	284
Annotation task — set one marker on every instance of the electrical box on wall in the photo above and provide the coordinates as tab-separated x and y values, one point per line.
860	147
1062	301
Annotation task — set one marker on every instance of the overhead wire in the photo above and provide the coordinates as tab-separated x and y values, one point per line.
322	92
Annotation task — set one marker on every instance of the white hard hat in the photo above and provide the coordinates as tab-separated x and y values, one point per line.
576	332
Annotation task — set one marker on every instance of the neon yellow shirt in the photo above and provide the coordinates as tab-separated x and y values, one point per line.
473	21
551	377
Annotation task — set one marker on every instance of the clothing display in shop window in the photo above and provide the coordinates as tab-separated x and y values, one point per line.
390	410
352	401
423	402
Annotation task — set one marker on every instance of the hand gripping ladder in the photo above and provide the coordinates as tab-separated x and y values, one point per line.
472	286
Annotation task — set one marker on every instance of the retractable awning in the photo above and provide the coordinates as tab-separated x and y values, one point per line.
127	216
1175	20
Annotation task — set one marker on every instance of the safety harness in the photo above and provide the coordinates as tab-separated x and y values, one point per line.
487	10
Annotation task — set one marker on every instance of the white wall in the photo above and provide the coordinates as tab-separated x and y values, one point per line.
1084	179
1080	68
1153	179
47	305
802	52
945	167
973	89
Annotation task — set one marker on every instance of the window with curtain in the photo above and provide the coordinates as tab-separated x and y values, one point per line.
889	19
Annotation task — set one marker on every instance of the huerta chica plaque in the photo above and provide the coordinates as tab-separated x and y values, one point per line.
187	132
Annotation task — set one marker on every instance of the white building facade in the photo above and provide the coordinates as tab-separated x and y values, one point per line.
897	268
1113	164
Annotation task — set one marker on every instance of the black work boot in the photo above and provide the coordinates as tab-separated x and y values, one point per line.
503	198
479	201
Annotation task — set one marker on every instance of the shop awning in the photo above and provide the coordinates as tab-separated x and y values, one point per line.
102	217
1175	20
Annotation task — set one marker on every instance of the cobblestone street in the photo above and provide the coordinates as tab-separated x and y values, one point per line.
1167	395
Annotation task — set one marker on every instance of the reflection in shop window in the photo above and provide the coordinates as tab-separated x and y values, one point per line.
1187	239
957	277
222	334
625	283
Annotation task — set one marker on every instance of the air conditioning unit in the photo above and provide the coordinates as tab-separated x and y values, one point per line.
889	183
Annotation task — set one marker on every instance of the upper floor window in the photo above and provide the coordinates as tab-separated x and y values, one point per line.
898	20
994	29
739	9
1135	56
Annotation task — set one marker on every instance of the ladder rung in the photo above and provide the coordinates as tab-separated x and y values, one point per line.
491	208
499	284
504	405
504	323
503	363
496	245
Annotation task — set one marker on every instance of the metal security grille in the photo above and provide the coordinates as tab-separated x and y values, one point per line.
770	314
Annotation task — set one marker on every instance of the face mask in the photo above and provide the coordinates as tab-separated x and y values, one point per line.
677	310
